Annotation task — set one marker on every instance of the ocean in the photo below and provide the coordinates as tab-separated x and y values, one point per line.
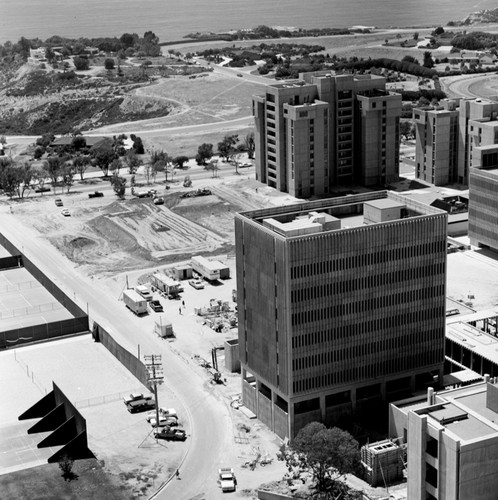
173	19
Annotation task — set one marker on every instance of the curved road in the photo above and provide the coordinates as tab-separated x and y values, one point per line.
210	442
461	86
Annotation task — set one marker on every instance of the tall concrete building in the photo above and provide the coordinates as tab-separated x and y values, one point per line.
436	150
323	131
452	442
483	200
448	137
341	303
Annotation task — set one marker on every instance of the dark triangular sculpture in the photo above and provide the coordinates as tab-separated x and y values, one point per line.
50	421
76	449
62	435
41	408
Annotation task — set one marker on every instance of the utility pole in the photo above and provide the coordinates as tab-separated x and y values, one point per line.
155	377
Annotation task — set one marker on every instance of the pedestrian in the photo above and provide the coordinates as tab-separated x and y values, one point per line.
183	304
179	310
177	473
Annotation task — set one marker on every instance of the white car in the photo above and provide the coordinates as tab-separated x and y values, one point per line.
197	284
65	212
164	422
152	414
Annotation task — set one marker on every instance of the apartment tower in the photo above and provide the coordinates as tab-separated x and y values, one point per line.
341	303
323	131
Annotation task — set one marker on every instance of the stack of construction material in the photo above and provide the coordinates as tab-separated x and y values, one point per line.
383	462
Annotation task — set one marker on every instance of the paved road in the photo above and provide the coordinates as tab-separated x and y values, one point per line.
209	446
461	86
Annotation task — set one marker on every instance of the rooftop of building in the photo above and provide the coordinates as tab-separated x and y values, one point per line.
339	213
465	411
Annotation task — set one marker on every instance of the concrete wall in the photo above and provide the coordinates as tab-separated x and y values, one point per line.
281	422
265	410
232	359
249	396
478	467
128	360
44	331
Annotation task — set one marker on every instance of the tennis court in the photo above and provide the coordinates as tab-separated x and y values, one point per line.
25	302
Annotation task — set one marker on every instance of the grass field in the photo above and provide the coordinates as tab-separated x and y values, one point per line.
46	482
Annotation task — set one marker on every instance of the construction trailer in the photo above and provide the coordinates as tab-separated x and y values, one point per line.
163	327
182	272
384	462
165	284
134	301
210	269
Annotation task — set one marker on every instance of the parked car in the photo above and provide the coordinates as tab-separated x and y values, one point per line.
135	396
141	405
96	194
58	202
171	434
168	412
156	306
65	212
43	189
197	284
164	422
159	200
152	415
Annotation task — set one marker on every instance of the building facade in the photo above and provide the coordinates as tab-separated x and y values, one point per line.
436	150
483	200
341	303
450	138
452	442
324	131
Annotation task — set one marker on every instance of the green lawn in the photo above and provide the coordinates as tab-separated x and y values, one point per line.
46	482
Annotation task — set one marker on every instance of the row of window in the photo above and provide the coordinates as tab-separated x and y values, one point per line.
337	310
337	333
365	372
399	344
316	291
378	256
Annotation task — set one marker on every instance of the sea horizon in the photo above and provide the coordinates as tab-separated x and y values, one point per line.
172	21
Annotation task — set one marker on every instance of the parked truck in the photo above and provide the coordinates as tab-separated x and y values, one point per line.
135	302
205	268
144	291
227	479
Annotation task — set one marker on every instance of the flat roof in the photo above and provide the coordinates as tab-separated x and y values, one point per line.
347	208
474	339
385	203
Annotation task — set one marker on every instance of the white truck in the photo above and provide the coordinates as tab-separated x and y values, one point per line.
135	302
227	479
144	291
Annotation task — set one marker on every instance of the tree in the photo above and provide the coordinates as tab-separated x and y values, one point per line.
103	160
115	166
204	153
160	161
428	61
81	164
226	148
179	161
109	64
10	179
137	144
66	466
78	142
118	185
415	35
52	167
326	454
132	161
67	174
250	145
80	63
